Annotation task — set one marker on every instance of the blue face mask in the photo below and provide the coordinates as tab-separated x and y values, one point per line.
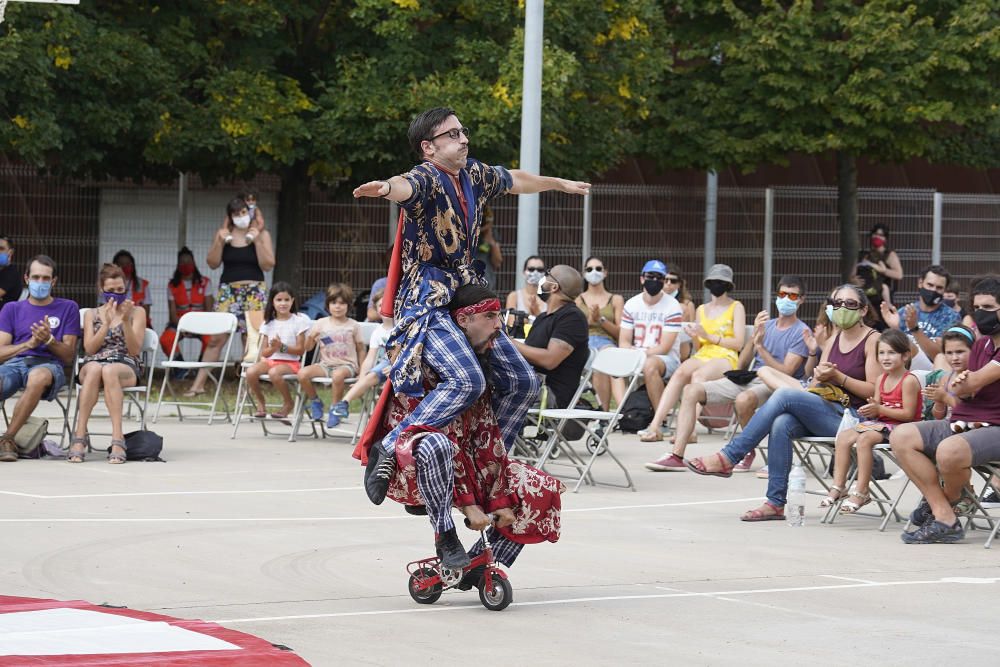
39	290
786	306
829	312
4	259
117	297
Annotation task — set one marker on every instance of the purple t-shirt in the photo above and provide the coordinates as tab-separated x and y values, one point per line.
63	316
985	405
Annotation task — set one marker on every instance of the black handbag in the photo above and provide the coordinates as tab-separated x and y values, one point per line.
143	446
740	377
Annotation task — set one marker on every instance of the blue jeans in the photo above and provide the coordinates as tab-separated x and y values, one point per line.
788	414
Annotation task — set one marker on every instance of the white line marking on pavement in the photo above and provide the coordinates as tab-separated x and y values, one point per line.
180	493
609	598
861	581
641	507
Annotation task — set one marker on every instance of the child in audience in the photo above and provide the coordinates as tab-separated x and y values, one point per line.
375	367
338	339
897	400
282	341
956	344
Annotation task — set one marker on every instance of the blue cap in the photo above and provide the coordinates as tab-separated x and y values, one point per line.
655	266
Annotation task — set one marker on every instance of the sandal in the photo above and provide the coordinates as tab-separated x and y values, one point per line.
651	435
191	393
281	416
117	458
850	506
761	514
830	498
260	414
80	443
697	465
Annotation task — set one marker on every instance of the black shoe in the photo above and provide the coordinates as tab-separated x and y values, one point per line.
450	551
378	473
415	510
472	578
922	514
935	532
991	499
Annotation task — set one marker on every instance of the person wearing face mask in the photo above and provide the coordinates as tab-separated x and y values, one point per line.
556	346
719	333
37	339
778	344
951	298
10	280
879	270
849	361
651	321
137	288
112	343
675	286
526	299
938	455
603	311
925	319
244	258
188	291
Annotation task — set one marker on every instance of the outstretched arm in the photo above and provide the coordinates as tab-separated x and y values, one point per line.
526	183
396	188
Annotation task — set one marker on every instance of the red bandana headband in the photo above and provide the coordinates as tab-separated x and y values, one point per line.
485	306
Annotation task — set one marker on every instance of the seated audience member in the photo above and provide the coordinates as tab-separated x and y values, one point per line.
488	251
137	288
338	339
37	338
375	368
651	321
793	413
112	345
778	344
676	286
377	287
11	284
952	298
925	319
956	344
969	437
187	292
282	343
604	315
556	346
526	299
718	332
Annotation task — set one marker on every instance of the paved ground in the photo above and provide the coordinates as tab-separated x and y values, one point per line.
278	540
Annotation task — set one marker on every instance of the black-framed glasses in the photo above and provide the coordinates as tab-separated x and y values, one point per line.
849	304
452	133
589	269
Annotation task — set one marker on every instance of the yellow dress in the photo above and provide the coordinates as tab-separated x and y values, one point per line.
721	325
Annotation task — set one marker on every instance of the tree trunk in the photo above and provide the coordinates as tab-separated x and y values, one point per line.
847	213
293	201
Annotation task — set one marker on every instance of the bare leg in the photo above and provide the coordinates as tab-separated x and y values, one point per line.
745	406
864	450
908	447
652	374
337	378
39	380
90	388
115	378
276	374
602	387
691	398
842	456
358	389
670	396
253	384
306	376
775	379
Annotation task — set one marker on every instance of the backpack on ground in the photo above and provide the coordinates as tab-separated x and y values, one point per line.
636	412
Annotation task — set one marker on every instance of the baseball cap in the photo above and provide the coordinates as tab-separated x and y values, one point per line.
568	278
654	266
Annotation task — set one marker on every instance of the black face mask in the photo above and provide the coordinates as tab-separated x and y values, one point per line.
717	287
986	321
949	302
930	297
652	287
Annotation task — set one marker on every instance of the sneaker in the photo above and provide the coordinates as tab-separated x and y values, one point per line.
316	409
922	514
669	463
378	473
451	551
744	465
341	409
332	419
991	499
472	578
935	532
762	473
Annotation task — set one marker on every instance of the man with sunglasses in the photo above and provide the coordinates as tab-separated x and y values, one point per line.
927	318
442	200
651	321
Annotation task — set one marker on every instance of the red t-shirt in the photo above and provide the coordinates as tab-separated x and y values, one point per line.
985	405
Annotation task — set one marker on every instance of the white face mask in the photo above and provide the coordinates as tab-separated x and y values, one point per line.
593	277
242	221
533	278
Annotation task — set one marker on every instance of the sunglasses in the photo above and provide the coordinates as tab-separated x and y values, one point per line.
672	281
593	268
794	296
849	304
535	269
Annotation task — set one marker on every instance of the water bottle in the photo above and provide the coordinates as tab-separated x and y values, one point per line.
795	509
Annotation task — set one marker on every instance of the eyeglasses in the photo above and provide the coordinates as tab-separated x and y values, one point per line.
534	269
672	281
452	133
653	276
849	304
794	296
589	269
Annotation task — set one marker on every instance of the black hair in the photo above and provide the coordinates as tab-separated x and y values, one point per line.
195	277
422	127
525	267
938	269
44	260
986	285
9	240
880	227
468	295
586	285
793	281
234	206
276	289
958	332
135	270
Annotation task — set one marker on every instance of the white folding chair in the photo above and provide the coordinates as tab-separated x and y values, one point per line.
200	324
617	363
243	393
